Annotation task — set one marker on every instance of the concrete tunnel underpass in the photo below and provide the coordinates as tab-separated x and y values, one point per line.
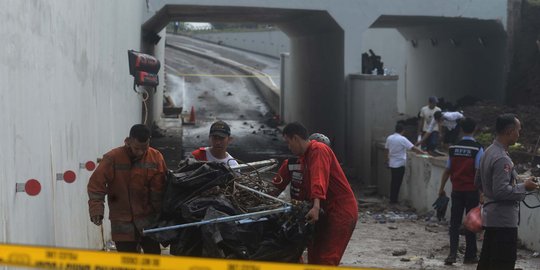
318	88
438	60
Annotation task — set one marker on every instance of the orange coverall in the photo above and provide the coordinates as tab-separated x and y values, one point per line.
134	191
322	177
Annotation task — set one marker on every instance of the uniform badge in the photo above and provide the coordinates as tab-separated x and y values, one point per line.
507	168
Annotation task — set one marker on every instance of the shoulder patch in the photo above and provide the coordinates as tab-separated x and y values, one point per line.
507	167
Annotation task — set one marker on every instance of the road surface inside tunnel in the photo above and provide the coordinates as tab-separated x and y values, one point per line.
217	92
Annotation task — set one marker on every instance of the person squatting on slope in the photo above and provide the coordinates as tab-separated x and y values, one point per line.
132	177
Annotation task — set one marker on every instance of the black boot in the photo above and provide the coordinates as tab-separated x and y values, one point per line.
451	259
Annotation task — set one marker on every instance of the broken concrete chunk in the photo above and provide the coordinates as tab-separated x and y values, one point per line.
399	252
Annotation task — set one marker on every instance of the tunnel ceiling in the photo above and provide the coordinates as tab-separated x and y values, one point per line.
221	14
292	22
413	27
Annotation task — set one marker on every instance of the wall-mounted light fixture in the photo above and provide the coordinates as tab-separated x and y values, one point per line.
414	43
455	42
434	42
482	41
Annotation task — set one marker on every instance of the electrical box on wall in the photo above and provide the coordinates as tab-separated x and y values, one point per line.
144	68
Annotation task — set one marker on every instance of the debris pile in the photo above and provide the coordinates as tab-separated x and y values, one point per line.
212	210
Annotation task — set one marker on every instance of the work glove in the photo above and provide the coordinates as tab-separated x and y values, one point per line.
98	220
440	205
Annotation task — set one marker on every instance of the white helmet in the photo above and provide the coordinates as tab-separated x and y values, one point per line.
320	138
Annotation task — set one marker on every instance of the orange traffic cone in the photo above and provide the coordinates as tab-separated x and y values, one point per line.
192	115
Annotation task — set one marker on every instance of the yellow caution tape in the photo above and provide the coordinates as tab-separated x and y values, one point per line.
70	259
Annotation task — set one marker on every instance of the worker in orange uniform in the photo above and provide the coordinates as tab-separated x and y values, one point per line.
132	177
316	176
220	138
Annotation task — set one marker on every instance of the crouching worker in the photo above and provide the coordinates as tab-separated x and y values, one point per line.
132	177
316	176
220	138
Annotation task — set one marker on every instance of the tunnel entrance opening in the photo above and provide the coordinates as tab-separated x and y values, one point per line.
313	66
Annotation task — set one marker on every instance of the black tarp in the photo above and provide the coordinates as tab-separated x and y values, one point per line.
196	191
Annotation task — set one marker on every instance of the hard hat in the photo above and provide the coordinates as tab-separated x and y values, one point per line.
320	138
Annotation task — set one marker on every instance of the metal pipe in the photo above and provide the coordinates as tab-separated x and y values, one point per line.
261	193
256	164
284	209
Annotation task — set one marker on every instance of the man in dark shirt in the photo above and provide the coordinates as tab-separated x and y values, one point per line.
464	159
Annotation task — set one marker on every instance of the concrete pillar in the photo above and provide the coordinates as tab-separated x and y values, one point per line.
317	83
373	111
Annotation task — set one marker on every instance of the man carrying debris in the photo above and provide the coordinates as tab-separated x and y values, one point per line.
132	177
441	121
426	115
318	178
220	138
396	158
463	161
497	180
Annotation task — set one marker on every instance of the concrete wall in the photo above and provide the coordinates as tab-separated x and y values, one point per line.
66	98
372	111
454	70
271	43
421	185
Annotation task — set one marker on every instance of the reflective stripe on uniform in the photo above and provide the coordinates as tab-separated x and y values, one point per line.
122	167
96	196
145	165
295	167
122	228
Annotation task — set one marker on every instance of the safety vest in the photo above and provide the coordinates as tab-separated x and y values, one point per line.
134	191
200	154
462	161
298	188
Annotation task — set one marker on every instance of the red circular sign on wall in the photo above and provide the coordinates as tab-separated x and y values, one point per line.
32	187
90	165
70	176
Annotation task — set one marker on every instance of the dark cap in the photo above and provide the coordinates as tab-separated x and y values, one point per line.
433	99
220	129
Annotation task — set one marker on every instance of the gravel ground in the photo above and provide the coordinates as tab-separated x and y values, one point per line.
426	242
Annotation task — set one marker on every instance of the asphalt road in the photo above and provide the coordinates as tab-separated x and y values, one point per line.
217	92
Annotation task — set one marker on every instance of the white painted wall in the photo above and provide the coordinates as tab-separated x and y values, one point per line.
271	43
66	98
452	71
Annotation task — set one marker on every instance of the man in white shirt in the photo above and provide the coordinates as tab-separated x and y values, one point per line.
396	157
426	115
220	138
442	121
